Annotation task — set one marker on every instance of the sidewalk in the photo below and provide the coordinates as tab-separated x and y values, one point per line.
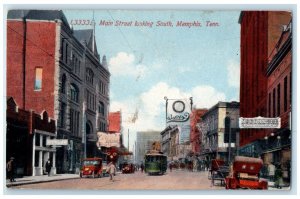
39	179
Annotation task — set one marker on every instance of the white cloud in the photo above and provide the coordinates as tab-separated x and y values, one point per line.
150	105
233	74
123	64
206	96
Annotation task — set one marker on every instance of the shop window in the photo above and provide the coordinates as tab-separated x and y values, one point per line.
37	139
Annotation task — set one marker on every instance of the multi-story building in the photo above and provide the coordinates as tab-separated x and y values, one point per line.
266	64
196	134
26	139
276	146
170	142
213	129
260	31
144	141
55	68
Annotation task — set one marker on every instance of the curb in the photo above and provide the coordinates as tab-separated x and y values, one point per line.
36	182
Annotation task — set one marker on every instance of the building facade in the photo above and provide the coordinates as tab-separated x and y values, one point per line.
276	147
55	68
170	142
26	139
214	144
196	134
260	31
144	141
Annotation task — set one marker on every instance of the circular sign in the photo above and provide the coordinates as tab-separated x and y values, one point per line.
178	106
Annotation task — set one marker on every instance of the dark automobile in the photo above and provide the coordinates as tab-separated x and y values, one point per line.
128	168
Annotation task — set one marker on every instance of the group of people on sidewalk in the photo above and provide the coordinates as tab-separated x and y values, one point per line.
10	167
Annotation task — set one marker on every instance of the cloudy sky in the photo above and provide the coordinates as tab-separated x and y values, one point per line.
149	62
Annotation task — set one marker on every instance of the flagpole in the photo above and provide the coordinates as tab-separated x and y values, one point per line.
166	98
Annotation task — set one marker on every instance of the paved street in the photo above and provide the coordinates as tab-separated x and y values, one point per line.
176	180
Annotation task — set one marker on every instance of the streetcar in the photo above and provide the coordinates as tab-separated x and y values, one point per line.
155	163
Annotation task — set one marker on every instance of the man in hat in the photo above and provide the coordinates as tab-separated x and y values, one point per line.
10	169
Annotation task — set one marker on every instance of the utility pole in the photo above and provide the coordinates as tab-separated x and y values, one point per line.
83	129
228	130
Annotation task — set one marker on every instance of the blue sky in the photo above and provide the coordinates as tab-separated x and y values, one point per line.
147	64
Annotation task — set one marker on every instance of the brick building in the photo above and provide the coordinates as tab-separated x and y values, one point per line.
266	64
277	142
26	136
260	31
55	68
196	134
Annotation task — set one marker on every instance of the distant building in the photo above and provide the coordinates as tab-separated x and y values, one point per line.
144	141
54	68
115	122
214	132
170	142
196	133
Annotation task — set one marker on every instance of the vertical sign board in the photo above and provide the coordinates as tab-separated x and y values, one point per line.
178	113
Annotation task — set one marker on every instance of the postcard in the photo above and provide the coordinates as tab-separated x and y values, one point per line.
149	99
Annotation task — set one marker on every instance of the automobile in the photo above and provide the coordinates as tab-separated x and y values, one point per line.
128	168
91	167
245	174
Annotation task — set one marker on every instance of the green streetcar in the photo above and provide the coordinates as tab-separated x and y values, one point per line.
155	163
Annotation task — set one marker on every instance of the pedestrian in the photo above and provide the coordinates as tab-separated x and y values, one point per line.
278	176
271	172
111	171
10	169
48	167
142	167
170	167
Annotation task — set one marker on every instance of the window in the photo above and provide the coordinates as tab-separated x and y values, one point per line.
37	139
62	115
67	46
74	93
269	107
63	83
278	100
91	100
274	105
74	122
89	76
285	94
101	108
73	62
38	79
